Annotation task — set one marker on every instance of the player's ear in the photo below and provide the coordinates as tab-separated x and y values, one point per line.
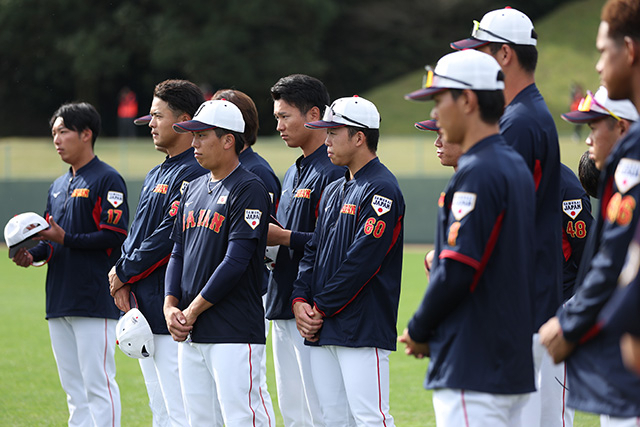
229	141
86	135
314	114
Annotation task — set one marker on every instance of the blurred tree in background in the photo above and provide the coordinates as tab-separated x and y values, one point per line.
55	51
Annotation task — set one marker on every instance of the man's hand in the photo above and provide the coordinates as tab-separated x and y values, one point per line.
176	320
114	282
121	298
278	236
630	348
23	258
54	233
415	349
552	338
308	321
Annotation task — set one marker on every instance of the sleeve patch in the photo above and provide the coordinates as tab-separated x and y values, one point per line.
116	198
462	204
381	205
183	186
572	207
252	217
627	174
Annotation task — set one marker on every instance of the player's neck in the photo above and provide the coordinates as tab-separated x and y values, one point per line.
516	82
313	143
81	161
476	132
225	170
183	143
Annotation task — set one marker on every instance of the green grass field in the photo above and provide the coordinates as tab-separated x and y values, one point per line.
30	393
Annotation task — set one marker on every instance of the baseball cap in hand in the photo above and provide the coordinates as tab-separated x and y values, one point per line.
467	69
352	111
134	336
593	107
218	113
506	25
20	230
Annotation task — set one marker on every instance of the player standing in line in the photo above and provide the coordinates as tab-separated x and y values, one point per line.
575	204
527	125
608	120
346	296
297	99
87	212
145	253
213	303
253	162
481	278
599	381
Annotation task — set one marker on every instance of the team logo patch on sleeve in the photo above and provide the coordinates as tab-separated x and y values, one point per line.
252	217
627	174
381	205
572	207
183	186
116	198
462	204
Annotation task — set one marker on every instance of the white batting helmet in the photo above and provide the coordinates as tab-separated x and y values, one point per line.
270	255
134	336
20	229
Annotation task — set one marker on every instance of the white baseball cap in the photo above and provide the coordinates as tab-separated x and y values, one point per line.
219	113
134	336
352	111
466	69
506	25
594	107
20	230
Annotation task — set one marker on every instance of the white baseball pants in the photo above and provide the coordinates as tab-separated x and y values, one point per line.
297	396
84	349
546	407
221	384
464	408
162	378
352	385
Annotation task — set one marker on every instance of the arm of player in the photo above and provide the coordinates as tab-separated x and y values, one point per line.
175	318
308	320
376	236
450	284
412	348
227	274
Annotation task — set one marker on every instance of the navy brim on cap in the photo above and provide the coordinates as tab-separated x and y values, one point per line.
142	120
582	116
424	94
192	126
469	43
321	124
427	125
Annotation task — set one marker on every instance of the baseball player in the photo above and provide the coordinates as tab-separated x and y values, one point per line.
213	304
576	206
253	162
593	354
475	319
146	250
88	214
297	99
346	296
508	35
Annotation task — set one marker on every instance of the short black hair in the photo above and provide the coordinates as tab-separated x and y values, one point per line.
527	54
589	175
301	91
79	116
239	137
490	102
372	136
182	96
